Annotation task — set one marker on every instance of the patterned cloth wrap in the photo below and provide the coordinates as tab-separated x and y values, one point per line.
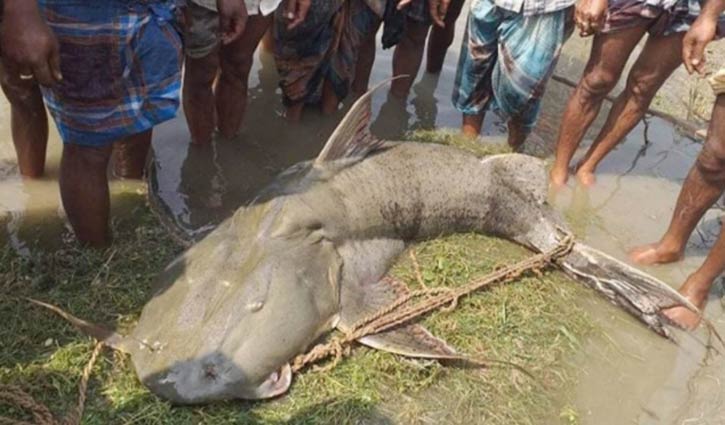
121	65
501	68
660	17
717	82
322	48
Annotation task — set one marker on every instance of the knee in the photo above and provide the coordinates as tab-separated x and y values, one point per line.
597	83
92	159
641	87
236	67
20	92
711	161
200	73
415	33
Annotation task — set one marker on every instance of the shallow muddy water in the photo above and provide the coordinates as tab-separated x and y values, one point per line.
626	373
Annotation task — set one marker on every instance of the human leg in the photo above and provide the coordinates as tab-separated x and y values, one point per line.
129	155
236	61
608	56
697	286
471	125
520	76
408	56
365	61
659	58
84	192
303	55
28	122
472	91
440	39
201	69
198	97
108	95
703	186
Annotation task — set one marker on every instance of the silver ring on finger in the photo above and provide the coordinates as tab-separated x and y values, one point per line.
26	76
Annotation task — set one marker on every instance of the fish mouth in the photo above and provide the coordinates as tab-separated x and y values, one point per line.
276	384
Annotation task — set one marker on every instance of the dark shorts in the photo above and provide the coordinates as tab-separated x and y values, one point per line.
395	21
201	35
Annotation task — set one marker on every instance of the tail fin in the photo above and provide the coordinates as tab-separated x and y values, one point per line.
640	294
103	335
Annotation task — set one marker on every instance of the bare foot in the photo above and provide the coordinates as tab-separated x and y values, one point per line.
558	177
586	178
654	253
471	125
697	294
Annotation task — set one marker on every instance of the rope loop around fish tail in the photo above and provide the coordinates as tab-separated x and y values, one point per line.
18	398
404	310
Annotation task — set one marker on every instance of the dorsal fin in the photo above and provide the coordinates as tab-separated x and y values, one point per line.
352	138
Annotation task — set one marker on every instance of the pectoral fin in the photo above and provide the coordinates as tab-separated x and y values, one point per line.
412	340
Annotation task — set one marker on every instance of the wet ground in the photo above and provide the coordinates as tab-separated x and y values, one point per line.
627	374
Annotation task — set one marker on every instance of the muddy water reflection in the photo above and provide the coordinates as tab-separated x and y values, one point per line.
628	375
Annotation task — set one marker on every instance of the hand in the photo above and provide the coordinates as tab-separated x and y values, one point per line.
28	44
402	4
590	15
693	45
438	10
232	19
296	12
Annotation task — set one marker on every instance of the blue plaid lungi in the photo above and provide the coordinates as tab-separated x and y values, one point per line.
121	65
506	60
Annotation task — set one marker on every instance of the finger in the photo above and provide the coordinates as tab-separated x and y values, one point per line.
54	63
225	25
403	4
595	25
43	74
693	56
291	10
687	44
301	14
443	8
698	57
19	71
434	14
239	25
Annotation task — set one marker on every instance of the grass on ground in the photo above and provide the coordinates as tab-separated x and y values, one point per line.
534	322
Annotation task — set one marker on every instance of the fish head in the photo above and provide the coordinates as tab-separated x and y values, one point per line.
239	313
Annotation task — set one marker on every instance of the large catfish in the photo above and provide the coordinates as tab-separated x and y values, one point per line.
310	253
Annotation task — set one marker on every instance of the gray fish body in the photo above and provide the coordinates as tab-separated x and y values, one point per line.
280	273
281	260
311	252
